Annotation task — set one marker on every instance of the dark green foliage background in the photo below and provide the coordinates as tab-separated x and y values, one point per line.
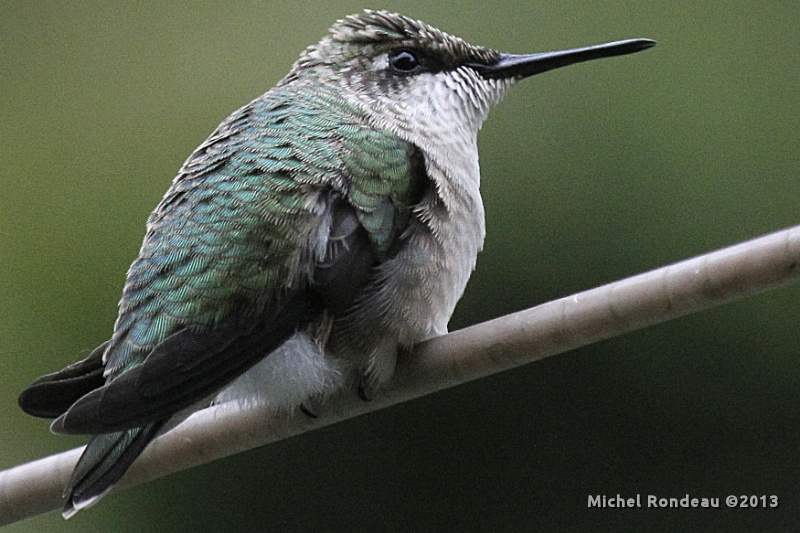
590	174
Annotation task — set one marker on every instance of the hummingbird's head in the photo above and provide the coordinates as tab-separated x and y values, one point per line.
405	72
414	76
430	88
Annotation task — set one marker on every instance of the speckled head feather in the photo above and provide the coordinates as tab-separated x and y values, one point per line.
377	31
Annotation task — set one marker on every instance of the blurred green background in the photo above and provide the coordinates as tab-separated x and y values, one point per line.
590	174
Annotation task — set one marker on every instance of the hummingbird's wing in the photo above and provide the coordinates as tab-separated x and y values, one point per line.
187	360
51	395
186	367
281	213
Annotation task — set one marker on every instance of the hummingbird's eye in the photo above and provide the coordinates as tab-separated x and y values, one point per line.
404	62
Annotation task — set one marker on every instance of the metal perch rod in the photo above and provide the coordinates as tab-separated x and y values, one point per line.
471	353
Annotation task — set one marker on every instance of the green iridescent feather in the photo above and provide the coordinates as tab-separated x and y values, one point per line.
225	235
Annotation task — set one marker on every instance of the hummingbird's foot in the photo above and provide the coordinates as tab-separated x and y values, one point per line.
364	390
308	412
312	406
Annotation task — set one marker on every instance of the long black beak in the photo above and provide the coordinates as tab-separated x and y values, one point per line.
522	66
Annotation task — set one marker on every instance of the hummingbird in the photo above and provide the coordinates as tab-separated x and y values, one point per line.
323	228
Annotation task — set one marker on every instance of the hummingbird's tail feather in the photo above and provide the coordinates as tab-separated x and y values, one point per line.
50	396
103	462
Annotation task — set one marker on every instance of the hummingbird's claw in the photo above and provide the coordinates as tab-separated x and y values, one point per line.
308	412
312	406
364	391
